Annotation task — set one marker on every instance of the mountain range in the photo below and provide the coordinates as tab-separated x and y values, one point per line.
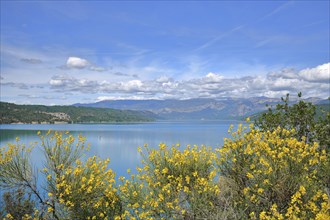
196	109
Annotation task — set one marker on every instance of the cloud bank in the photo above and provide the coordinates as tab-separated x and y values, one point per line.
313	82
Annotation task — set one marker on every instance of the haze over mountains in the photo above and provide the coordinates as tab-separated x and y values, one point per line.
195	109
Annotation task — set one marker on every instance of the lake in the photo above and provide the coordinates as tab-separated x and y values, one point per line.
119	142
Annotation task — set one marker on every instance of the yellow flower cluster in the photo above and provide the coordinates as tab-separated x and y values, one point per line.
85	189
15	167
7	153
269	168
172	183
88	188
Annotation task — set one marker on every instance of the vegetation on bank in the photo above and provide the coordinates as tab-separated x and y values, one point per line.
274	169
318	110
12	113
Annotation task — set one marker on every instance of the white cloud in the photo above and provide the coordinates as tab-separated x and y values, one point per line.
132	85
163	79
320	73
286	73
275	94
56	82
76	62
284	84
66	83
213	77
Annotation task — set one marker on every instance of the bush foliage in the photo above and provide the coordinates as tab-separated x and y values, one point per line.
262	172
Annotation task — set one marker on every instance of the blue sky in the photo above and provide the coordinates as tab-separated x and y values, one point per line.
60	52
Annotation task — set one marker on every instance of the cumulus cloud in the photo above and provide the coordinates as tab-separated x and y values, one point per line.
163	79
67	83
283	84
320	73
55	82
31	60
286	73
213	78
132	85
77	62
80	63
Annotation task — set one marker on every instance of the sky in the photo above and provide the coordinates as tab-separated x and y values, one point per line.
66	52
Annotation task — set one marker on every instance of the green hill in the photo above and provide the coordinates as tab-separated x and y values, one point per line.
12	113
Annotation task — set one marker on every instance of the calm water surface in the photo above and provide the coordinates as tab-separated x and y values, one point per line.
119	142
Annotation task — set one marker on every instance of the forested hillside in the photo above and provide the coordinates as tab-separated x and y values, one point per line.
12	113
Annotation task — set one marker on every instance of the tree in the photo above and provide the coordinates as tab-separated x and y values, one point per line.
300	117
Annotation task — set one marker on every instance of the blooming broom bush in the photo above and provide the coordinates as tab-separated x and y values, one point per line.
74	189
274	174
172	183
83	189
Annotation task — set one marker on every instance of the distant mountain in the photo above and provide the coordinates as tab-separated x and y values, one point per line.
194	109
12	113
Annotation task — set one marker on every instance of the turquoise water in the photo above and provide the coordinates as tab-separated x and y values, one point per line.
119	142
